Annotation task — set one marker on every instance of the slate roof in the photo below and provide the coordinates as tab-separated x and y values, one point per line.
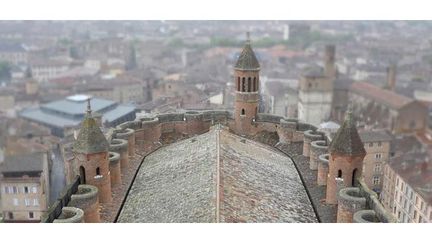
90	138
375	136
247	59
347	140
217	177
67	112
29	162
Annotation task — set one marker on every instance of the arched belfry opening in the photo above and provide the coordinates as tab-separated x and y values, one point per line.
339	174
243	112
354	177
82	175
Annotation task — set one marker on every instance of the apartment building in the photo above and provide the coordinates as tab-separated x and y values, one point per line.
407	188
377	146
24	184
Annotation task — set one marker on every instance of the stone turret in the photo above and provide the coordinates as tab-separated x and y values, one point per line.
246	78
91	157
346	158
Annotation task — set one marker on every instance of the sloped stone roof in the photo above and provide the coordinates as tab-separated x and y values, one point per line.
217	177
247	59
347	140
90	138
29	162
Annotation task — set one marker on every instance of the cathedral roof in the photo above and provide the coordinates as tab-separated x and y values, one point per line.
217	177
347	141
247	59
90	138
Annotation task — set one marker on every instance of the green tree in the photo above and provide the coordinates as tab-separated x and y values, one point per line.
5	73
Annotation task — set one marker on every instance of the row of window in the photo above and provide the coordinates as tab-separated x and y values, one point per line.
27	201
11	215
378	144
250	86
16	190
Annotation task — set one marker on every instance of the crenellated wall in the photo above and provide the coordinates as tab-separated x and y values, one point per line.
115	170
349	202
317	148
323	168
86	198
127	134
309	137
365	216
70	215
120	146
144	135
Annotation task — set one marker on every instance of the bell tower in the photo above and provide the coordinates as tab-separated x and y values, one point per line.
91	156
346	158
246	78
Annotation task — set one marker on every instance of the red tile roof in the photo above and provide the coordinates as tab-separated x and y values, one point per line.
382	96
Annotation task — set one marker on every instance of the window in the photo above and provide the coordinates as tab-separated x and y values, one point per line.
35	202
376	180
7	190
243	112
377	168
238	84
243	85
26	189
378	156
27	202
379	144
34	189
415	214
421	206
15	202
10	215
249	85
339	174
15	190
254	84
31	215
370	144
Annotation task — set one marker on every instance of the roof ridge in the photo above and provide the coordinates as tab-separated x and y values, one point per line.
218	176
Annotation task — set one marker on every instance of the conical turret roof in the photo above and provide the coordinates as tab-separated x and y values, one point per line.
347	140
247	59
90	137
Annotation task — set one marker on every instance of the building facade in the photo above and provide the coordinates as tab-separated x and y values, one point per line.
316	91
24	187
377	146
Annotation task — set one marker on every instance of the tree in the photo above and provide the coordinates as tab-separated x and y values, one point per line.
5	74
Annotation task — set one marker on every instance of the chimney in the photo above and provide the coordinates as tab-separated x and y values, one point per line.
329	61
391	77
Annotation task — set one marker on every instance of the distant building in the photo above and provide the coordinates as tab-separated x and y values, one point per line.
407	188
69	112
316	91
24	184
377	146
381	108
44	70
13	53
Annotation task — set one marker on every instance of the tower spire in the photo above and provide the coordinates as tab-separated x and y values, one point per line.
88	107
